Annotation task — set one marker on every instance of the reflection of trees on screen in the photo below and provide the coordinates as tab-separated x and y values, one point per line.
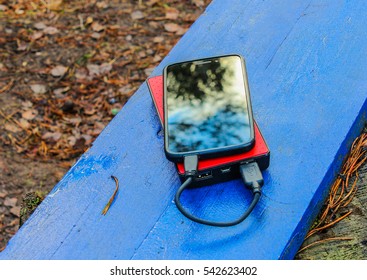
207	107
187	79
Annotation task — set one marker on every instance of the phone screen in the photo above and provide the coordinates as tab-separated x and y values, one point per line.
207	105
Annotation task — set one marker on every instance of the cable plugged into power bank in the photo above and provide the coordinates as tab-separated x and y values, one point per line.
251	176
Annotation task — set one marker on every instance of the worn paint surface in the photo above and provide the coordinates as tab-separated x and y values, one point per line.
306	65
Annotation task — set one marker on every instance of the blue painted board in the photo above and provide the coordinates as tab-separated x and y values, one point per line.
306	64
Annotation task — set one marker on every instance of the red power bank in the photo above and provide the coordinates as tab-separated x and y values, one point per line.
219	169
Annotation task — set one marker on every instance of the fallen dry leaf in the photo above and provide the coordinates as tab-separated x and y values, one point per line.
74	121
15	211
54	5
22	46
81	73
137	15
151	2
181	31
24	123
10	201
55	136
38	88
29	114
3	8
40	25
89	20
158	39
96	35
27	104
3	194
71	140
37	35
114	27
89	110
171	27
97	27
12	127
102	5
59	91
154	24
157	58
148	71
96	70
198	3
19	11
172	13
58	71
50	30
2	67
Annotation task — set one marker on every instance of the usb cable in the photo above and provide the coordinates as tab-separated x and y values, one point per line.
251	176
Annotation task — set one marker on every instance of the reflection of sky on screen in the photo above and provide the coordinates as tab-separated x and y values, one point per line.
218	118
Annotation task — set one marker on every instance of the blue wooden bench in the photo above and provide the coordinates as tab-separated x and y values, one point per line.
306	63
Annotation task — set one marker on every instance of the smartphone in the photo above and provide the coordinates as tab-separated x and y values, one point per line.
217	169
207	108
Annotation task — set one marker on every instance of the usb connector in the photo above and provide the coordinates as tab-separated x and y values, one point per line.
252	176
191	165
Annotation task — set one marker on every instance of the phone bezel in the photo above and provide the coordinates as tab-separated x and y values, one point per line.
214	152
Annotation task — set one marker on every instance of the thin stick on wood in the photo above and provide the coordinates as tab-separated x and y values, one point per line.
105	209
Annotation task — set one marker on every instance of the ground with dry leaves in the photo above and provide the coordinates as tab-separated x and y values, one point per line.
66	68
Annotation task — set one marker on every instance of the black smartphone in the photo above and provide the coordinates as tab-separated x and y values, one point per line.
207	108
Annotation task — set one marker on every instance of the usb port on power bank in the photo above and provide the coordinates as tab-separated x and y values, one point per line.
205	175
225	170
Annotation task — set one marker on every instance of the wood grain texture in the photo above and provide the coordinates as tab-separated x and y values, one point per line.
306	66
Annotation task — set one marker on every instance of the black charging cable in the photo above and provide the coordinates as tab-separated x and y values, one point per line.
251	176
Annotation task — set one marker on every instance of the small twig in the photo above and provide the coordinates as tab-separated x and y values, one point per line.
81	21
105	209
10	119
8	86
324	240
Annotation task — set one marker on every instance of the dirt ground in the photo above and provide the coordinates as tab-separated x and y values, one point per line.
66	68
